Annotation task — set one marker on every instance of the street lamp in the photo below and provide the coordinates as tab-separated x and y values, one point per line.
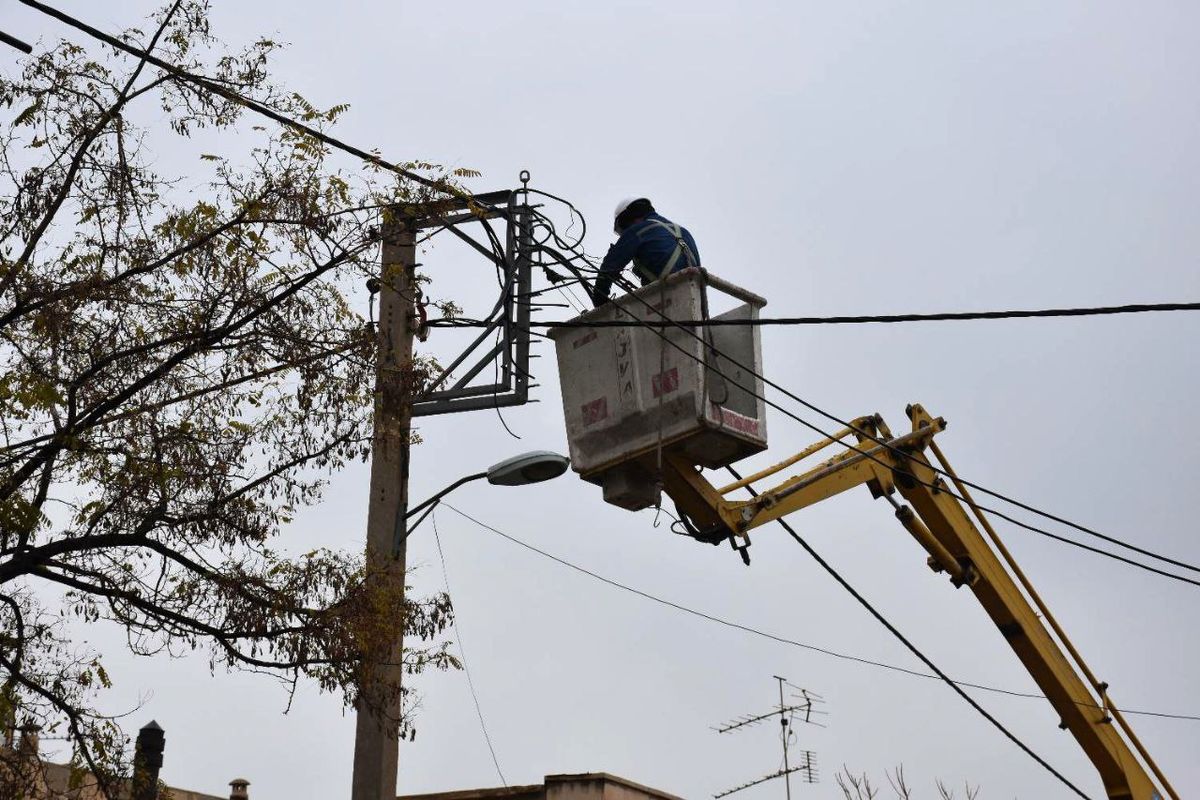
532	467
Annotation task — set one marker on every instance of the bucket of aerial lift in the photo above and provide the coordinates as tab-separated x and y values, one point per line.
635	385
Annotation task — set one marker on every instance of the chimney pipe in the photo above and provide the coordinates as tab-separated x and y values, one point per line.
24	768
239	790
147	761
28	743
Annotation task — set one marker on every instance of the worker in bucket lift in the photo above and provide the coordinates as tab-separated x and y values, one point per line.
656	246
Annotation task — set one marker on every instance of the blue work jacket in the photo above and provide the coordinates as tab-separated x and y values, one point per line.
655	250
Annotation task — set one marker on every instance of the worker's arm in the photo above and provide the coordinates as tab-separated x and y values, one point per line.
618	257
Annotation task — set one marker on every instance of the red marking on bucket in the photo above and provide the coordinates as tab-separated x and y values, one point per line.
595	411
736	421
665	382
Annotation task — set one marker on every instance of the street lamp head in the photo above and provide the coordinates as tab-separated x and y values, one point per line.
534	467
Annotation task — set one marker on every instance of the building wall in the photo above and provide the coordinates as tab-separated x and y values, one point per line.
507	793
600	786
48	781
587	786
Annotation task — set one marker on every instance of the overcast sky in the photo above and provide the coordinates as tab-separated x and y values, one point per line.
836	158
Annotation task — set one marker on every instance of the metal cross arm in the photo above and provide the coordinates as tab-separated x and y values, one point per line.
936	515
510	251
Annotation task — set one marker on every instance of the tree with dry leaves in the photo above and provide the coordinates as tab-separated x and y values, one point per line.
182	365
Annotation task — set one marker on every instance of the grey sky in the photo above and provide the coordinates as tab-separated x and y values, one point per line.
836	158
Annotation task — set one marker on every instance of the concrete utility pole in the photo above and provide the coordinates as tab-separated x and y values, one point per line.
376	741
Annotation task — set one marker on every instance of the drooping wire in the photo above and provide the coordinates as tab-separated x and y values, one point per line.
463	655
773	637
927	661
495	393
541	248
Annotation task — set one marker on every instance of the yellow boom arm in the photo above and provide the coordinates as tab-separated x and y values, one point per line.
937	519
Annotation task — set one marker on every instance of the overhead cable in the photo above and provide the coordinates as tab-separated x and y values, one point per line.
995	512
687	328
888	445
253	105
463	655
912	648
13	41
773	637
1135	308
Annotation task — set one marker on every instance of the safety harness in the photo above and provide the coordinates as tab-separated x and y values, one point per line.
681	251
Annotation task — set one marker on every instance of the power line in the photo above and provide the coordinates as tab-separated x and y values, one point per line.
891	447
1139	308
861	599
579	255
13	41
915	650
463	653
372	158
253	105
653	327
774	637
666	321
990	510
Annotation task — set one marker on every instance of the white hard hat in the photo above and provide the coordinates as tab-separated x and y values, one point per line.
624	204
620	209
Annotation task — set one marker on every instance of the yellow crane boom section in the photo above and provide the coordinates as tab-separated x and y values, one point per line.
938	520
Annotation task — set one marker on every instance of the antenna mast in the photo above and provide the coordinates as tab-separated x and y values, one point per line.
800	708
784	734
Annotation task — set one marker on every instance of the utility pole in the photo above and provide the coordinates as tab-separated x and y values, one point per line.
376	740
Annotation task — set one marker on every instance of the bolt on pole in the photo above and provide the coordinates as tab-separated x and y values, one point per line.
376	741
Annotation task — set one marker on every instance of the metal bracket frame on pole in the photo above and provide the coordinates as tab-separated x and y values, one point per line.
454	390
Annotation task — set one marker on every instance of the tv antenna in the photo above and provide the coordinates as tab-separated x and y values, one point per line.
800	708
